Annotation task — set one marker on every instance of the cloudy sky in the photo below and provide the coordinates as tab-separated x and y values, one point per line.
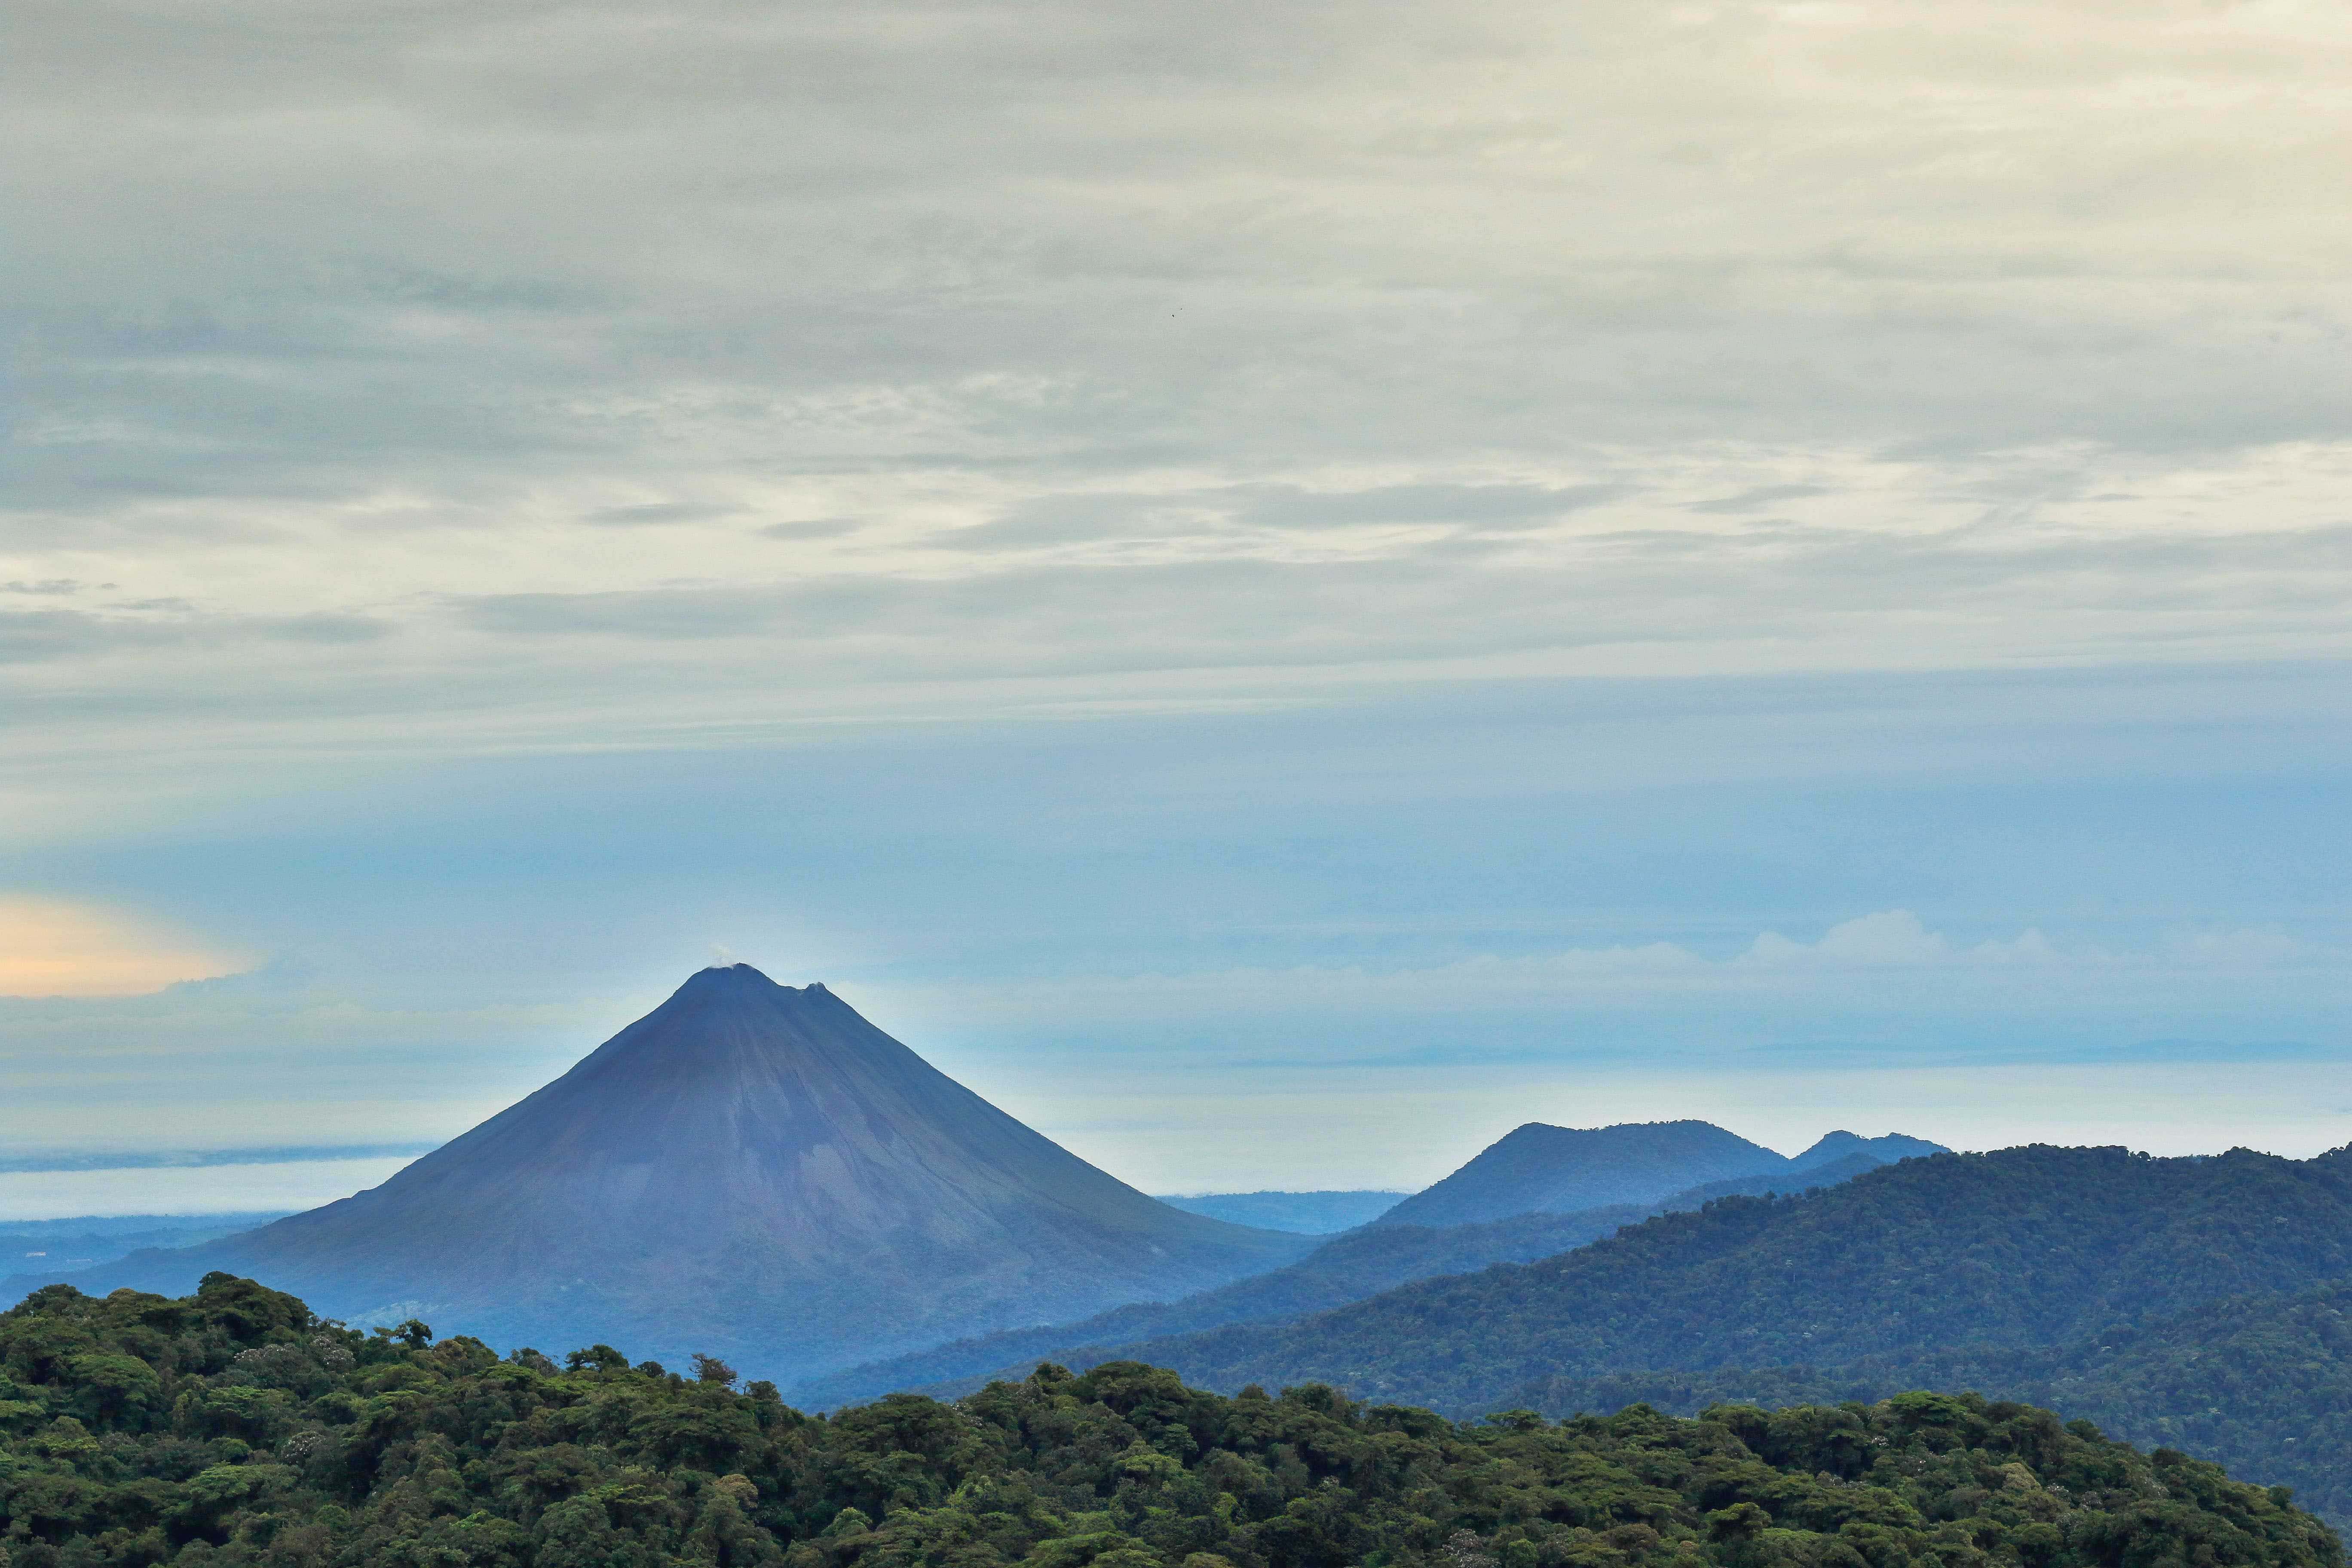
1280	588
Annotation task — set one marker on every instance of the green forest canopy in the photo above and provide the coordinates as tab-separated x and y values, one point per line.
2261	1385
233	1427
2025	1247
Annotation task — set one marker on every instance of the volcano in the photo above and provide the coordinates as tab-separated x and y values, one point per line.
752	1171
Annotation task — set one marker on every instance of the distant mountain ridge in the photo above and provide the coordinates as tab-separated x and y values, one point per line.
1884	1149
1347	1267
1540	1169
749	1169
86	1241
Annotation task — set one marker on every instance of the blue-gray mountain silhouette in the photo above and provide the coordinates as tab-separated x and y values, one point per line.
750	1170
1885	1150
1540	1169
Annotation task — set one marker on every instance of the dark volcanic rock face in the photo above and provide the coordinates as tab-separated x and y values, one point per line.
749	1169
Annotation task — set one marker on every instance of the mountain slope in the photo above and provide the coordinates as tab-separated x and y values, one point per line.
749	1169
1346	1268
2023	1247
2261	1384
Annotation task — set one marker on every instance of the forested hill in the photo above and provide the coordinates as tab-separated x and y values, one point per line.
2035	1245
2263	1384
1346	1268
233	1427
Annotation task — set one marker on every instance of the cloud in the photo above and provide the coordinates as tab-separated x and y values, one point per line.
662	615
179	1078
656	514
1896	938
1475	505
27	635
1756	498
152	626
1877	965
197	1159
323	629
212	1189
811	527
1332	296
56	947
1099	517
572	378
1087	517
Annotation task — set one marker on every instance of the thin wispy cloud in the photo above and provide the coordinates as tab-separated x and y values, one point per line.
1874	964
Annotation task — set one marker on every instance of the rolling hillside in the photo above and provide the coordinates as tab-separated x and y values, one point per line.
1347	1268
2261	1384
2025	1247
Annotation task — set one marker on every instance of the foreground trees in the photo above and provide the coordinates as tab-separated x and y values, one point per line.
232	1427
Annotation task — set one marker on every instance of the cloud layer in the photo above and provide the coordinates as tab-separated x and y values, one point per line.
577	370
1905	992
1050	511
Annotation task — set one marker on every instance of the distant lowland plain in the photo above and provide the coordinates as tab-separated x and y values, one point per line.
753	1282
